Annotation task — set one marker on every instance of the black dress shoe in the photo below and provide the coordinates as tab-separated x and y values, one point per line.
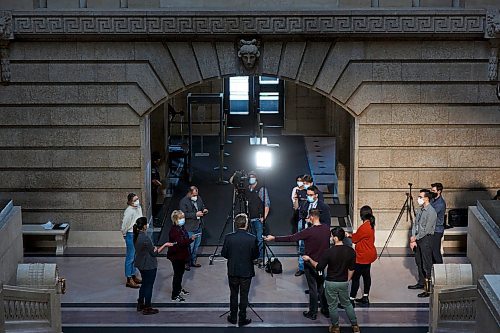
299	273
244	322
423	294
309	315
363	300
232	320
187	267
416	286
306	291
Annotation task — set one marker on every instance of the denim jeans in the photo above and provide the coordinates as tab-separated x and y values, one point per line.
146	290
193	247
337	292
129	257
301	247
257	230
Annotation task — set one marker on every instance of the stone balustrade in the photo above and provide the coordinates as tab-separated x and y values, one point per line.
457	309
27	309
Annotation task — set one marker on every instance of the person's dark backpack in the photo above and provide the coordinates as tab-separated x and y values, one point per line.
274	266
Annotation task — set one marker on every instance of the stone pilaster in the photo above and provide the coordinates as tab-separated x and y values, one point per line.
6	34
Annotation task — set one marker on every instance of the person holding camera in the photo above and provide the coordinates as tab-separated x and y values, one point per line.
340	260
178	254
194	209
316	241
439	206
240	249
421	241
299	197
145	261
258	209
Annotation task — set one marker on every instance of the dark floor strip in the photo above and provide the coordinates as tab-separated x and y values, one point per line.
248	329
225	305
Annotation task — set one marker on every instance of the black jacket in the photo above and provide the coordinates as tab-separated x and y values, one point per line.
189	210
324	210
240	249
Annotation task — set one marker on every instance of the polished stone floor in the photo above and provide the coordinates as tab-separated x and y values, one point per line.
97	295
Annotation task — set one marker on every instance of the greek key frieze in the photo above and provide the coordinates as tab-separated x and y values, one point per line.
165	24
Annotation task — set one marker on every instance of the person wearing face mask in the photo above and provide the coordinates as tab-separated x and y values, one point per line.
340	260
179	253
316	241
131	214
258	209
299	195
145	261
421	241
439	206
194	209
366	253
308	182
313	202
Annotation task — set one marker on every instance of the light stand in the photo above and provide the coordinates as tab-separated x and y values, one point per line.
409	208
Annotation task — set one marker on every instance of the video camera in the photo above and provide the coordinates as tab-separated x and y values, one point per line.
240	180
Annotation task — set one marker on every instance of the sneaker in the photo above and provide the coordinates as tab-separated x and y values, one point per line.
187	267
178	299
299	273
184	292
355	328
363	300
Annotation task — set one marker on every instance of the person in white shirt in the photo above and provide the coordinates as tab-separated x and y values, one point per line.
131	214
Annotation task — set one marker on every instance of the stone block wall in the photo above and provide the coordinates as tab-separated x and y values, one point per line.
11	245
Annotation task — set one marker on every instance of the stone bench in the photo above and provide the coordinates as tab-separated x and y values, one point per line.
61	236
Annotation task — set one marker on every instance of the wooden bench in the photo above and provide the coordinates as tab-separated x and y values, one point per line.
61	235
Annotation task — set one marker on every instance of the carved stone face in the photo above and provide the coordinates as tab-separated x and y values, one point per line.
248	60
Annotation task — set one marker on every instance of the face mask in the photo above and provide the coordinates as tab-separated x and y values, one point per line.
181	222
252	180
194	198
136	203
420	201
310	198
306	186
300	184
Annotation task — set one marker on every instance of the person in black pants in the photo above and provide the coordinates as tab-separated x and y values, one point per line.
179	253
145	261
240	249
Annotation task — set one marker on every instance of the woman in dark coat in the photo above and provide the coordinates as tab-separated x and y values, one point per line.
179	253
145	261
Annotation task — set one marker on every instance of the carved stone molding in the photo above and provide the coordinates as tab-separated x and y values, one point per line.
492	23
493	64
338	23
6	31
4	64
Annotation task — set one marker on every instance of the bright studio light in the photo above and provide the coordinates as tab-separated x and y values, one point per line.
263	159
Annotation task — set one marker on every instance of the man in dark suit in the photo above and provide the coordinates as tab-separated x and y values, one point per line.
240	249
313	202
194	209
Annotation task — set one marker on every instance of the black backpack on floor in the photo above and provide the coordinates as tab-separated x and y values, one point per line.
274	266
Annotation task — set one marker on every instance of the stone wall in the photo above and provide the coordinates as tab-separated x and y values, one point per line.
11	245
75	125
240	4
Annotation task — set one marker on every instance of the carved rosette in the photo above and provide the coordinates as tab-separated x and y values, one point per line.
492	29
6	34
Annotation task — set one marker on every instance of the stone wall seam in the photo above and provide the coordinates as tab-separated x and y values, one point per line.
168	23
332	45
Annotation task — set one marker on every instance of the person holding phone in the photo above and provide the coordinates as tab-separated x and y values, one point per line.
145	261
194	209
179	254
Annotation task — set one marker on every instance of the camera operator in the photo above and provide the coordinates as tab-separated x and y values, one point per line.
316	241
439	206
194	209
421	240
258	204
240	249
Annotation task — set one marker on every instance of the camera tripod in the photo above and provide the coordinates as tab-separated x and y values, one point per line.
239	205
409	209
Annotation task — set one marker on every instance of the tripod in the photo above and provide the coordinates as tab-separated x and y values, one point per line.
240	204
409	208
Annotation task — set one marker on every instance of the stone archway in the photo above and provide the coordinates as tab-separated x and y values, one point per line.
74	127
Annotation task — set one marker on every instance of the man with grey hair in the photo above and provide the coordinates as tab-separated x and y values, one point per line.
240	249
